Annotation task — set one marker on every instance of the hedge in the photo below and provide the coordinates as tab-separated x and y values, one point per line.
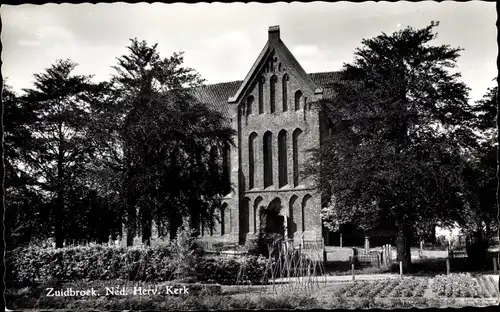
156	264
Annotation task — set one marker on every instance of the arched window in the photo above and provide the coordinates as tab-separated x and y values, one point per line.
296	146
214	161
226	161
250	101
307	205
298	96
272	93
251	160
282	159
223	216
268	159
284	89
261	95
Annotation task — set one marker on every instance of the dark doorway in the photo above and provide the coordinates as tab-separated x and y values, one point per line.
273	221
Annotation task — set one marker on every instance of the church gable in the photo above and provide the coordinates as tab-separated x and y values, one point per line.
274	71
274	60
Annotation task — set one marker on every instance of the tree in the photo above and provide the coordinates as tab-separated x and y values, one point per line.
397	148
163	138
60	150
25	214
481	178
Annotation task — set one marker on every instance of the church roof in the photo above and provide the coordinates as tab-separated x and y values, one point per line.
217	95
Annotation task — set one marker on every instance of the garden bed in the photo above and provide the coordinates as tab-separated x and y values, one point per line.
462	285
393	288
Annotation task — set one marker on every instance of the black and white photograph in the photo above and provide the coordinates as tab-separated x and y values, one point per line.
223	156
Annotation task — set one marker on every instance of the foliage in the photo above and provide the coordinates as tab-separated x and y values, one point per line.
456	285
395	155
53	119
160	136
394	288
134	149
183	253
156	264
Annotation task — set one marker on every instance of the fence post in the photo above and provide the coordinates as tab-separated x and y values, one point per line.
386	255
401	269
340	239
447	265
352	269
378	260
495	264
324	250
367	245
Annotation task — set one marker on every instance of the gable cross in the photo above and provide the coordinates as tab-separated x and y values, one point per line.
273	60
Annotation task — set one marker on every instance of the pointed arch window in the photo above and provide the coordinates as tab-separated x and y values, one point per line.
268	159
214	161
249	105
284	89
251	160
298	96
272	93
226	161
282	159
295	146
261	95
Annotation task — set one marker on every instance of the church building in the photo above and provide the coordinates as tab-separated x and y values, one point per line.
275	125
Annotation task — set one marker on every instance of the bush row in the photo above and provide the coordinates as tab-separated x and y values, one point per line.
158	264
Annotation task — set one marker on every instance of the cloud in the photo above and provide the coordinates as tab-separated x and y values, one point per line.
28	43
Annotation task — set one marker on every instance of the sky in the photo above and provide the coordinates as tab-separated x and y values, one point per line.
222	41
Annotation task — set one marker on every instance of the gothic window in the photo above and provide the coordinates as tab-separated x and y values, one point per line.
285	92
250	101
251	160
298	96
261	95
272	93
296	146
268	159
307	205
223	216
282	159
226	161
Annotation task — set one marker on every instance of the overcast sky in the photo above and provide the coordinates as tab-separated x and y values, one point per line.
221	41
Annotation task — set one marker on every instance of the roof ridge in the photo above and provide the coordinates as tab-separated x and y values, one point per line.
240	81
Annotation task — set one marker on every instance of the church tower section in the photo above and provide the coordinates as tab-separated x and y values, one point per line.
276	125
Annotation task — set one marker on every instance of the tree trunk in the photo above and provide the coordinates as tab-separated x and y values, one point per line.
131	220
59	207
403	245
175	223
477	251
146	227
131	199
432	237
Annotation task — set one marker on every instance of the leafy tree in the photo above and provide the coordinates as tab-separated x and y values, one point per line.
396	151
161	139
60	149
25	212
481	178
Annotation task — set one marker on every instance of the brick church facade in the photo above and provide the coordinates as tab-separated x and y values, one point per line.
275	125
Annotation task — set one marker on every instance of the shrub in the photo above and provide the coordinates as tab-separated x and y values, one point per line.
185	252
159	263
29	265
249	270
